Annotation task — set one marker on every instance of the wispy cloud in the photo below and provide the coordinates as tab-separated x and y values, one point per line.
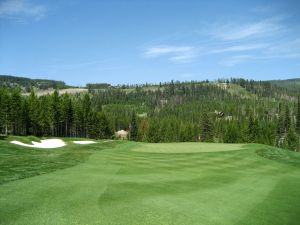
20	10
178	54
232	61
236	31
239	48
233	43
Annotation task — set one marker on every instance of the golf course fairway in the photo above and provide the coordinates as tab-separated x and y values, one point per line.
129	183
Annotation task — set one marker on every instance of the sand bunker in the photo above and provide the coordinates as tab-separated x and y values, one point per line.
84	142
49	143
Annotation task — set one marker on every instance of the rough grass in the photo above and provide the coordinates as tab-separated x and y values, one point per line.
119	186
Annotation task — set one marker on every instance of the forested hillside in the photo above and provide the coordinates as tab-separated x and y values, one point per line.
26	84
290	84
231	111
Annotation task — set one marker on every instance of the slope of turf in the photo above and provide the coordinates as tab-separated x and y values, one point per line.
187	147
120	186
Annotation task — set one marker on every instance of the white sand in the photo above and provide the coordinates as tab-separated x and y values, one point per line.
84	142
49	143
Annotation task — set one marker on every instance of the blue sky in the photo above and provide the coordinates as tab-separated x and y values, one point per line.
138	41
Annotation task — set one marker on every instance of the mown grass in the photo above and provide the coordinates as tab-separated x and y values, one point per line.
116	184
187	147
17	162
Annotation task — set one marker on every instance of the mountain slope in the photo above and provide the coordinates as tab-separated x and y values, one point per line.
26	83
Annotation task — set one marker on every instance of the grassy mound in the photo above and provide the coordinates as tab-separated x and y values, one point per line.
17	162
119	185
280	155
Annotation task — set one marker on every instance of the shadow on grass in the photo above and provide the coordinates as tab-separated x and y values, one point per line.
280	155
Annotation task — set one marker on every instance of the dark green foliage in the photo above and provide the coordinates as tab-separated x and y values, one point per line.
26	83
16	111
94	125
4	111
33	112
67	110
105	131
235	110
207	129
287	119
298	116
86	113
292	140
231	134
55	106
133	128
253	132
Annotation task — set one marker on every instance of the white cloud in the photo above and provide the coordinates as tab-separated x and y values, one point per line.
163	50
231	32
232	61
21	9
239	48
178	54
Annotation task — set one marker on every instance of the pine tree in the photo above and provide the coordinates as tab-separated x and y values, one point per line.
55	108
25	117
67	114
298	116
33	106
86	114
16	111
207	129
94	126
292	141
4	111
231	134
252	129
105	131
287	119
133	128
280	131
44	116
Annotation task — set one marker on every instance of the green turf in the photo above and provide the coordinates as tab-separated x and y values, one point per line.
187	147
116	184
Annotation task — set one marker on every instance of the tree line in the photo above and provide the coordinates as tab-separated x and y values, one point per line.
230	111
51	115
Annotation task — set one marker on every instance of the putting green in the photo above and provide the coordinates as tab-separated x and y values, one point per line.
110	184
187	147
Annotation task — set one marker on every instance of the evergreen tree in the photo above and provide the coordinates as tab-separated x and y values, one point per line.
94	126
55	109
33	111
287	119
252	129
280	128
86	113
207	129
152	134
25	117
67	114
231	134
292	140
105	131
16	111
133	128
44	116
4	111
298	116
